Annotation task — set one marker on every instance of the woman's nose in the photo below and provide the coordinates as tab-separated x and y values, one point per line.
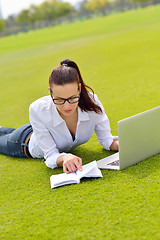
66	104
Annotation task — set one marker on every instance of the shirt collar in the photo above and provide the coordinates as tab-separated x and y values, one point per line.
57	120
82	115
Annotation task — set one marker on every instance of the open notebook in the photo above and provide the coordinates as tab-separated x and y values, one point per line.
89	170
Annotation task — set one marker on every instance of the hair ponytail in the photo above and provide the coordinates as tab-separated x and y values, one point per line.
69	72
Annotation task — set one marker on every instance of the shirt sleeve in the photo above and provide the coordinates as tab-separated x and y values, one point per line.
102	128
103	132
44	139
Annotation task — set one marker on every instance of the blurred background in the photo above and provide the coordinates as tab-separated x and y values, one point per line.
17	15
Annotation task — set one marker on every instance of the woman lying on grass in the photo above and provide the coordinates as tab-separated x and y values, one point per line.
60	122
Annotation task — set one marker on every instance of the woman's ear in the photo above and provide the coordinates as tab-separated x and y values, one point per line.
49	88
79	87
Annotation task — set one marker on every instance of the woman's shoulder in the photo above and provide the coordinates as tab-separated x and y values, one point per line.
41	104
95	98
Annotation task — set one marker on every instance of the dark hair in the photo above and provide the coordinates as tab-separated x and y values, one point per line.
69	72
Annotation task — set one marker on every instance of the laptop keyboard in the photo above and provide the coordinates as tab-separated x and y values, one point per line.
115	163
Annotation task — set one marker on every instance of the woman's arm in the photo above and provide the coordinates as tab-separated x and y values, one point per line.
44	139
103	130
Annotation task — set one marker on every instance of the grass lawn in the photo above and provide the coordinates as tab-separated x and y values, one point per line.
119	58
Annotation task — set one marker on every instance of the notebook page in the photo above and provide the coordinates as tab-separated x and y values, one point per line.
63	179
89	170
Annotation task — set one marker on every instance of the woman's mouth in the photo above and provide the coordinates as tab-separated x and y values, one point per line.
68	111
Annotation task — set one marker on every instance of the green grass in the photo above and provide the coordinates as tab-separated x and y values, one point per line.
119	57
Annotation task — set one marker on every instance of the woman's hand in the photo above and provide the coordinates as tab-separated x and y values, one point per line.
115	145
70	163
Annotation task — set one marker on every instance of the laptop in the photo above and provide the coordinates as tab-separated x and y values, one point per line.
139	139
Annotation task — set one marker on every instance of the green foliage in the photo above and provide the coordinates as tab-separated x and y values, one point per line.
2	24
47	10
118	56
23	17
95	5
34	13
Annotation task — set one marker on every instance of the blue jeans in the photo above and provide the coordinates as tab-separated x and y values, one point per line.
12	141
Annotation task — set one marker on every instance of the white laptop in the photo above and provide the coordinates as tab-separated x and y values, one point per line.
139	139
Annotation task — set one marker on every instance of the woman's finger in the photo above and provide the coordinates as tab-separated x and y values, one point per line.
73	167
65	168
78	163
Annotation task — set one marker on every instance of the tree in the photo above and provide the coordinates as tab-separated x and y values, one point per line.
53	9
96	5
23	17
47	10
63	9
34	13
2	24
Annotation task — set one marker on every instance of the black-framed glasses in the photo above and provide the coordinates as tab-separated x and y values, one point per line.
61	101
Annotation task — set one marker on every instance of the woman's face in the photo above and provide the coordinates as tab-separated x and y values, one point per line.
66	91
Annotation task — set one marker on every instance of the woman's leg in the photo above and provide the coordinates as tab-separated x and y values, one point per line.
12	144
6	130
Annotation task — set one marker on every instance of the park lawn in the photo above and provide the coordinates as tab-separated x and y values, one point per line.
119	58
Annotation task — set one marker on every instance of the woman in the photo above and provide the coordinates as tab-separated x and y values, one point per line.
60	122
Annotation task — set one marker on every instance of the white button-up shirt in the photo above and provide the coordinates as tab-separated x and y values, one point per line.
51	136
